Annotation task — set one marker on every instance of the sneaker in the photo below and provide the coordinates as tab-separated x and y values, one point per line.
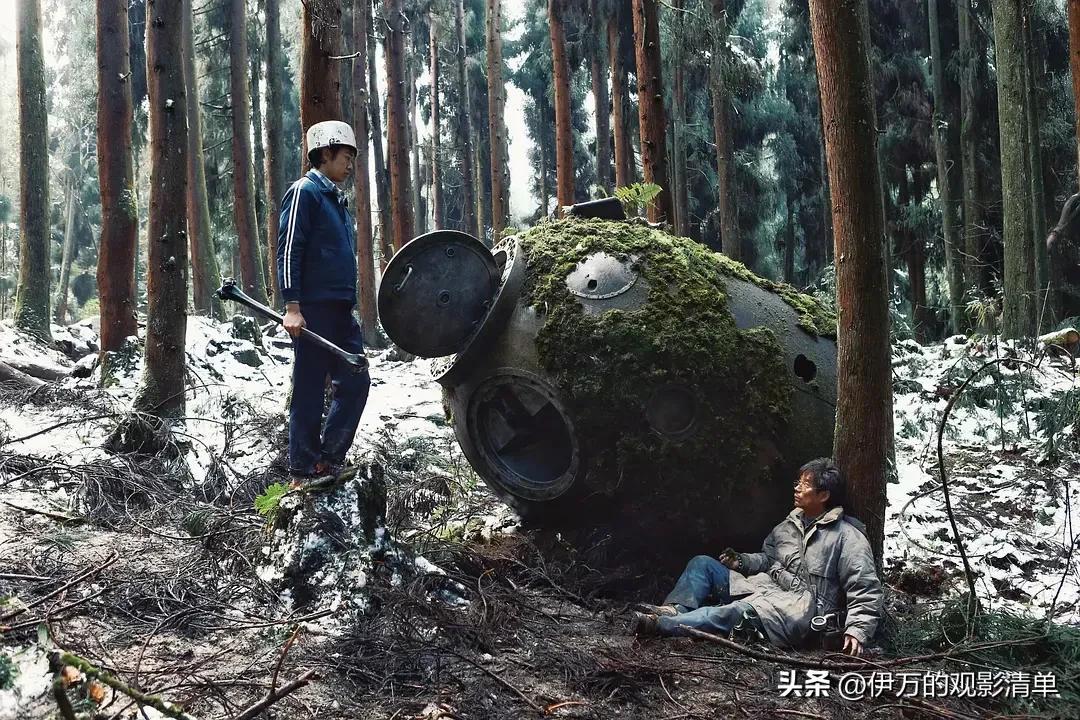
658	610
643	624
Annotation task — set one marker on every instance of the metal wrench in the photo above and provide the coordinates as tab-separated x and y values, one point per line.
230	291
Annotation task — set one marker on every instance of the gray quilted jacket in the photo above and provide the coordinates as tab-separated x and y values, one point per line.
797	576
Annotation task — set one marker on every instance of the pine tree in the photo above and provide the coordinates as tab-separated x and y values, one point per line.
365	252
564	137
32	295
438	211
1019	304
863	371
725	186
161	390
652	119
397	131
599	12
464	124
500	172
275	168
247	227
320	77
119	222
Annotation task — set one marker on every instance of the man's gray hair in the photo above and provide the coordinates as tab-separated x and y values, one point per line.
827	476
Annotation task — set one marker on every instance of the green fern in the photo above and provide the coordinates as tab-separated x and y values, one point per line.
267	503
637	197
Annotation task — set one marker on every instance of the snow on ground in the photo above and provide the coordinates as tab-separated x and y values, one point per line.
1013	504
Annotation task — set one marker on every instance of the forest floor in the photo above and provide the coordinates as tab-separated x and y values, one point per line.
157	568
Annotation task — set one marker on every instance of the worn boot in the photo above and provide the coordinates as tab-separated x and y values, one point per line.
644	625
659	610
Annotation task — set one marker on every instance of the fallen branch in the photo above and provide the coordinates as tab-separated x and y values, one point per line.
75	581
46	513
49	615
274	695
852	665
505	683
66	658
13	376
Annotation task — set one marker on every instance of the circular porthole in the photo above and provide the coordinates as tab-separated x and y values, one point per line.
523	434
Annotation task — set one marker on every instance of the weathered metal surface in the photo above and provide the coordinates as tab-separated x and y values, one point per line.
436	291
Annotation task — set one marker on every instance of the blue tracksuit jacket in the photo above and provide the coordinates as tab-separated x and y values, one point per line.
316	253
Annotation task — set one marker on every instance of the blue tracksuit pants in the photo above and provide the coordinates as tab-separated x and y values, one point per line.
702	596
309	441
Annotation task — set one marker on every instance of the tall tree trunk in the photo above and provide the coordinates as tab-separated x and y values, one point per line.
651	115
247	228
365	251
161	391
624	147
438	210
564	133
275	146
320	78
69	248
1019	306
545	189
598	72
418	203
1045	297
397	131
35	270
500	173
205	276
382	177
730	243
789	241
953	270
119	219
678	134
864	390
1074	66
913	250
259	159
464	124
973	269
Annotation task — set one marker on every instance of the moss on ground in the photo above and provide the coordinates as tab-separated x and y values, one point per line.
608	365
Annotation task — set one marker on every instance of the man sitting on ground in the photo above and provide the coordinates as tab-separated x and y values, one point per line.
816	564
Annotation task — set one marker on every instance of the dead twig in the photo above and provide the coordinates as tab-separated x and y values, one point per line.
49	615
66	658
275	695
502	681
68	519
75	581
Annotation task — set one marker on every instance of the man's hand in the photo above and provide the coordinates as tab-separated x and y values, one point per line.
293	320
730	559
852	646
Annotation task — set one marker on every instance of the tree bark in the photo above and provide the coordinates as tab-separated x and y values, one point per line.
464	124
320	78
953	271
725	186
1074	66
1019	305
678	134
251	270
598	72
397	131
864	390
1045	297
789	241
651	114
161	391
624	147
268	267
382	178
438	210
974	275
275	168
365	252
564	133
419	205
35	270
119	220
205	276
500	173
68	252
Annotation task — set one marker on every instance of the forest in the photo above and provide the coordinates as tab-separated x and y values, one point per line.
898	179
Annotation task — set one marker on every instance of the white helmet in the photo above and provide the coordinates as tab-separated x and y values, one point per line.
330	132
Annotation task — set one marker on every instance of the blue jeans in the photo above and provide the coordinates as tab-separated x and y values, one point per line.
309	441
705	580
